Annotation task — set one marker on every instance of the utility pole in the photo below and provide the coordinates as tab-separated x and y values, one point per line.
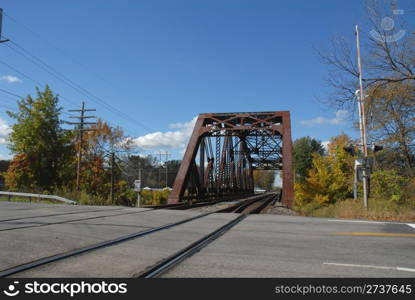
159	178
1	25
81	123
362	122
137	183
112	176
167	176
167	154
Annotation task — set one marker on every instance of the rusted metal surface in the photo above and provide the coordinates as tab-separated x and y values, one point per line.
225	148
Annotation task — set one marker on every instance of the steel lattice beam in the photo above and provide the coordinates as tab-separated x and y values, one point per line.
225	148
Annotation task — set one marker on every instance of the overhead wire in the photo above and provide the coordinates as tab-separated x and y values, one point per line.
34	80
61	51
59	76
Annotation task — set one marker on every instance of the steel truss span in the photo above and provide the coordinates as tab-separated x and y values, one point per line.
225	149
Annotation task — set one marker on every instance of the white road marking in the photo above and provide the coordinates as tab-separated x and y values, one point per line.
372	222
371	267
405	269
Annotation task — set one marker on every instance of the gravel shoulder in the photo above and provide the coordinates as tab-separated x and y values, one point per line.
279	209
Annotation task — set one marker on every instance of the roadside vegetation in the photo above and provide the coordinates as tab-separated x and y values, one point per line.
324	181
45	158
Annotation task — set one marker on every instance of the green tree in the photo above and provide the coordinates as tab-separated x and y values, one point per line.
304	148
42	148
330	178
264	179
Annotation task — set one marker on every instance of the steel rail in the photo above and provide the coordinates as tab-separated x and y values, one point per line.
266	203
35	225
187	205
61	256
60	214
168	263
197	245
175	259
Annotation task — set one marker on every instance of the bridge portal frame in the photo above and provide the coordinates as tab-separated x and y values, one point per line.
243	142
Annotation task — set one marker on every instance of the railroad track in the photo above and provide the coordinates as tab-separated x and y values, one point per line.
41	224
244	208
189	205
250	207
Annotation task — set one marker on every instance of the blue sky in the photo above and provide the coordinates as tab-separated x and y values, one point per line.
163	62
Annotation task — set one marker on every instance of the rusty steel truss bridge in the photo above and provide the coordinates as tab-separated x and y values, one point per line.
225	149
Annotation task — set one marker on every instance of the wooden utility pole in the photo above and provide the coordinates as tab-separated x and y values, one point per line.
81	128
362	121
112	177
159	178
167	176
160	153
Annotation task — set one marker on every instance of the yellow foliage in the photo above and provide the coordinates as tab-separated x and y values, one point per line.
329	180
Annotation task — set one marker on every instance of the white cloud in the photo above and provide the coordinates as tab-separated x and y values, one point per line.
174	139
339	118
10	79
325	145
4	131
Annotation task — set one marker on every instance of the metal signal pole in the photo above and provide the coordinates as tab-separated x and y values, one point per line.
81	129
362	121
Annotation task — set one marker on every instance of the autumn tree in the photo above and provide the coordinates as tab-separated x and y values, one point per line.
388	56
392	123
330	178
264	179
303	150
40	146
98	144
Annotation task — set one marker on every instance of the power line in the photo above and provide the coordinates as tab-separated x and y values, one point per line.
7	107
34	80
42	67
21	73
21	97
10	93
64	53
59	76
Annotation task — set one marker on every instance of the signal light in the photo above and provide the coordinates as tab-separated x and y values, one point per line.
350	150
376	148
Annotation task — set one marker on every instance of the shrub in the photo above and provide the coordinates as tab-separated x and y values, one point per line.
388	185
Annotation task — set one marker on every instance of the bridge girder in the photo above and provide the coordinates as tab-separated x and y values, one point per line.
225	148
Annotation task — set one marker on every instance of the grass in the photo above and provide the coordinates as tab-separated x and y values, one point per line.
28	200
351	209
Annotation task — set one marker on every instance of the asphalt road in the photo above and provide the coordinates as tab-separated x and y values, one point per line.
260	246
289	246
